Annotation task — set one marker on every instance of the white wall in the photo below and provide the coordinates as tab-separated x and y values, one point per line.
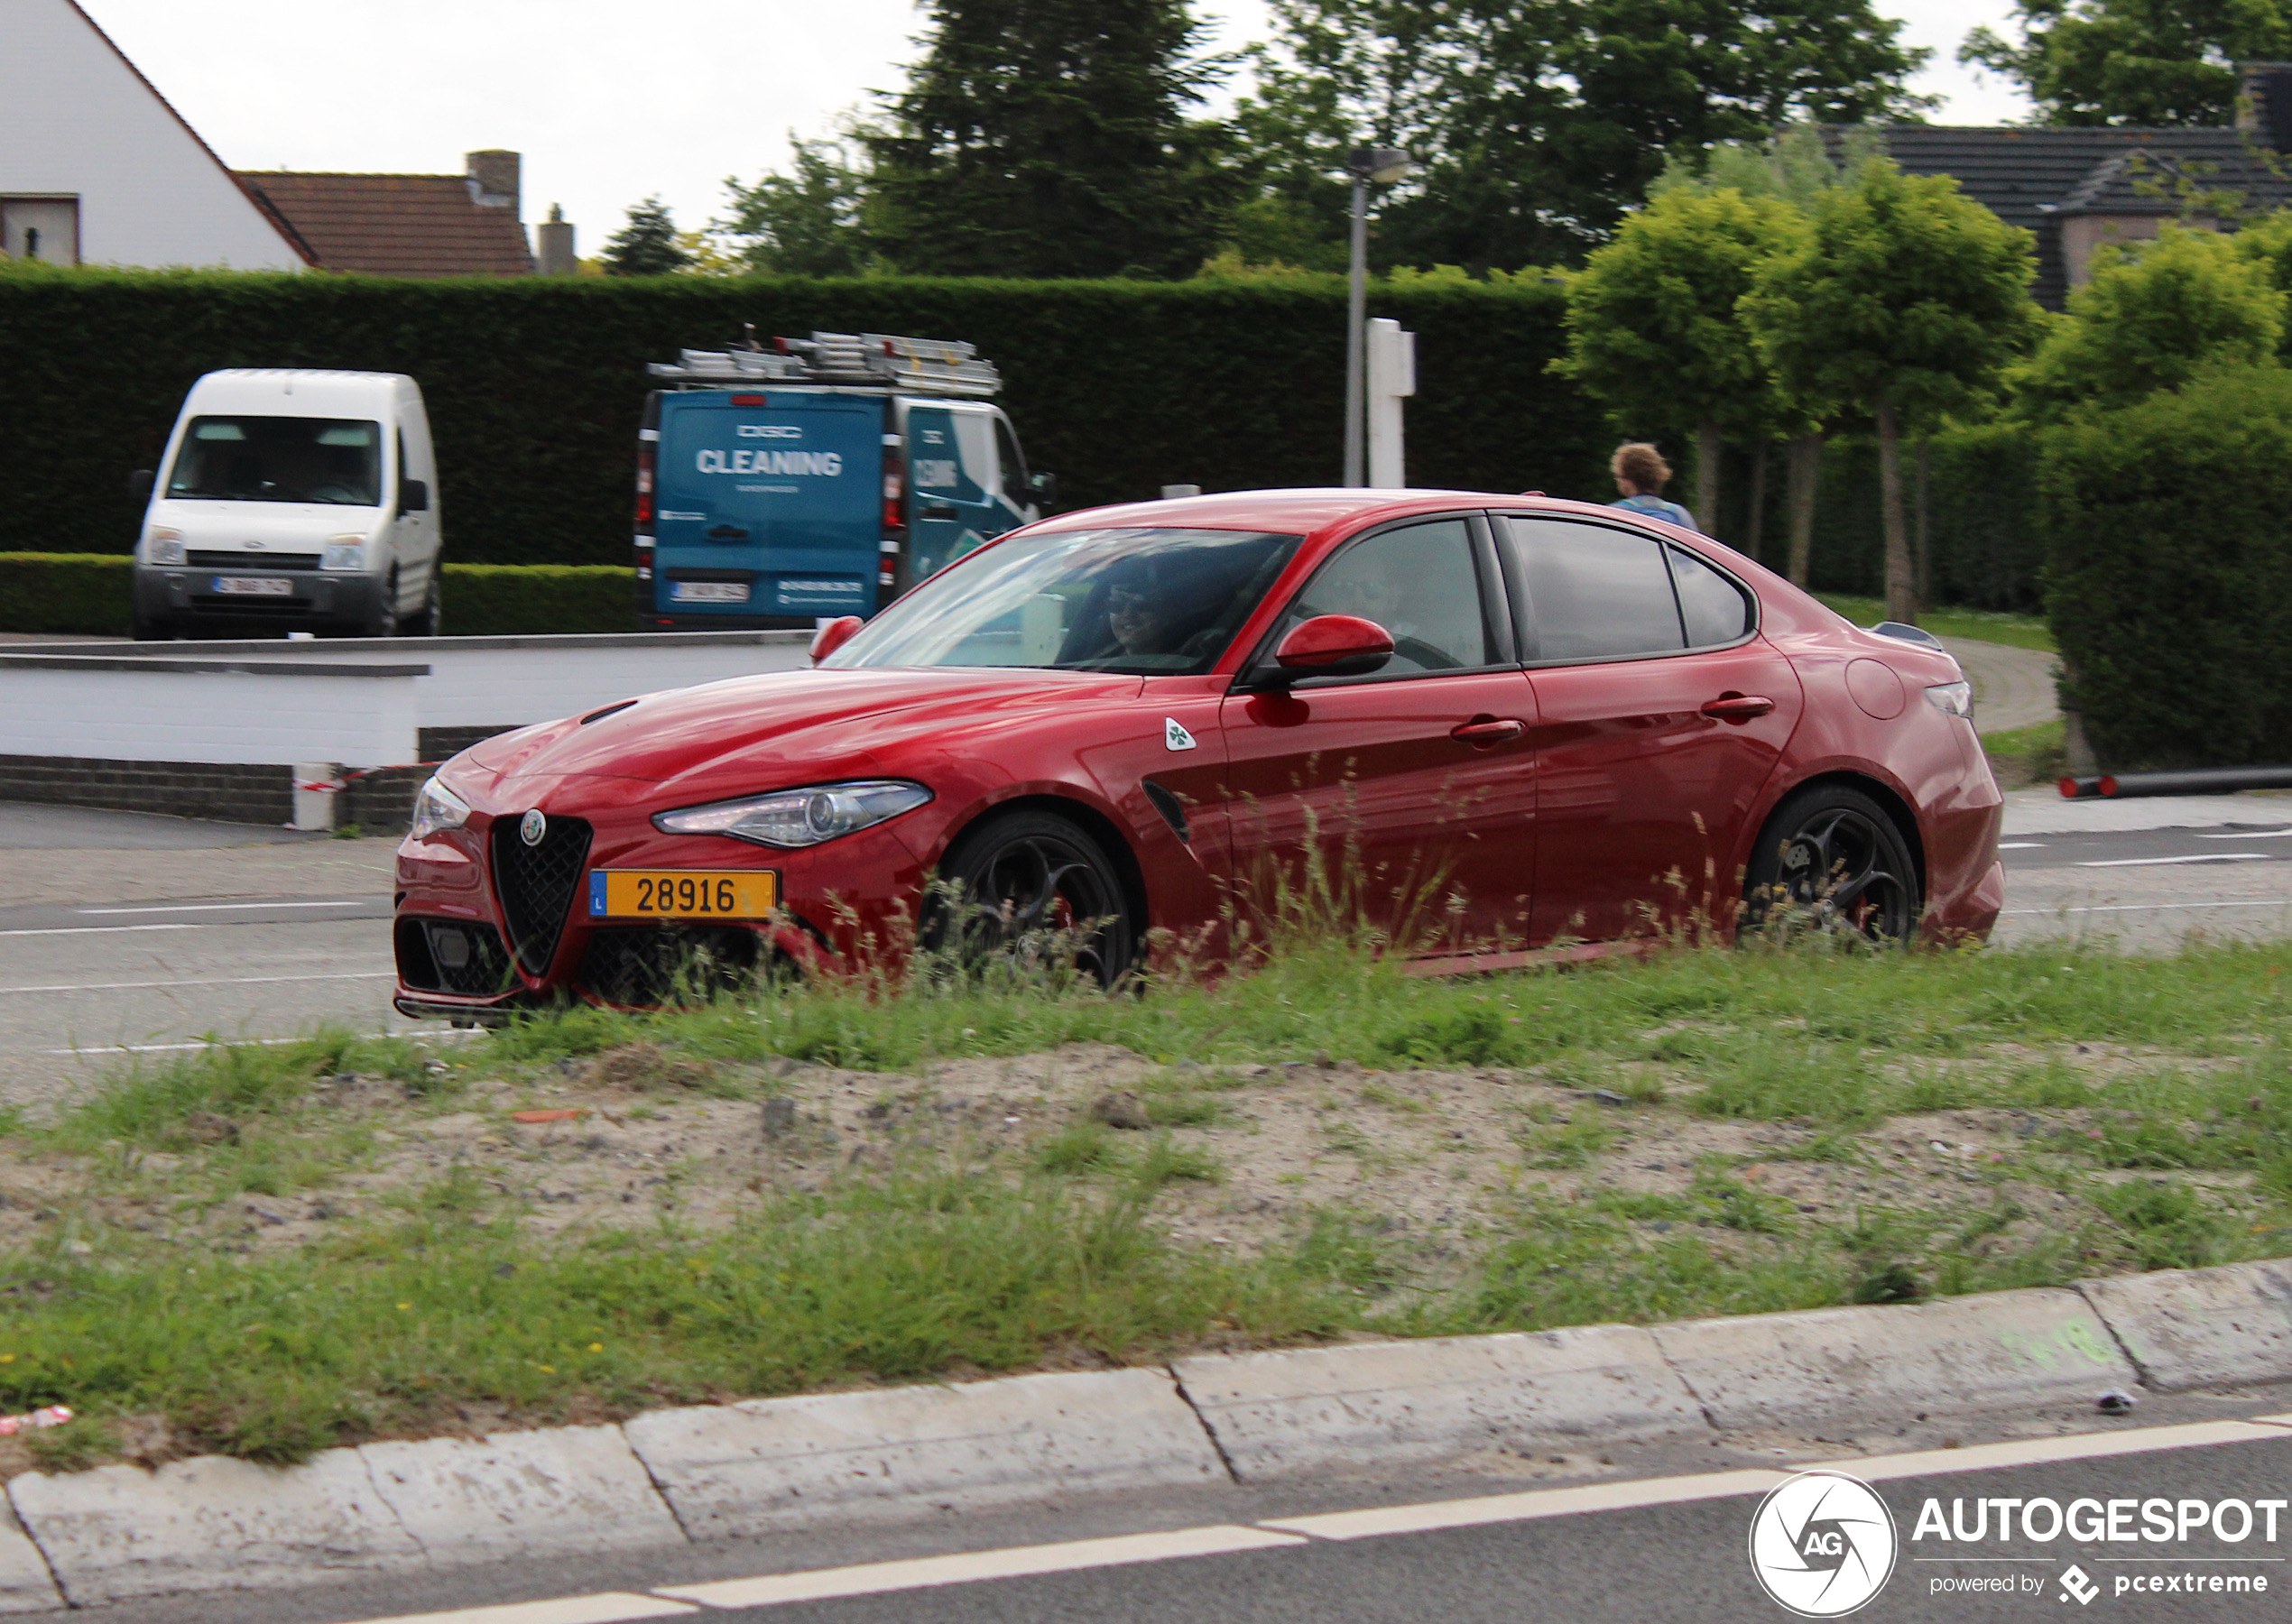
75	118
167	710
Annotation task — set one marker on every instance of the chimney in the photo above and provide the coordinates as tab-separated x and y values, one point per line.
2264	102
492	180
555	236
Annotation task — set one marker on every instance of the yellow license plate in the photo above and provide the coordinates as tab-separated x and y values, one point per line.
682	893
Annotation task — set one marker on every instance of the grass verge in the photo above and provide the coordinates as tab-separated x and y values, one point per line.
267	1250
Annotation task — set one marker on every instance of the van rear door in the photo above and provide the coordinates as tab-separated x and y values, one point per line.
956	482
768	507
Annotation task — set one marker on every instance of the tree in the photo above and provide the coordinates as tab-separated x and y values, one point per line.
808	224
1654	328
647	246
1796	166
2146	62
2153	318
1540	123
1050	138
1906	298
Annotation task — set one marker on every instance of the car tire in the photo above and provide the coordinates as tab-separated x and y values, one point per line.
1833	860
150	631
1031	892
429	619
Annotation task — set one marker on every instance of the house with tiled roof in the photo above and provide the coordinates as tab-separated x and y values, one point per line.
2077	189
464	225
97	168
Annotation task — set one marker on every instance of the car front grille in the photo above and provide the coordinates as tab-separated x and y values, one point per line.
536	884
663	965
450	956
246	560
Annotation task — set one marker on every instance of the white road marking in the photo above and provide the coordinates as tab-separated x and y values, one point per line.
2251	834
2160	862
876	1578
451	1036
90	929
221	981
2152	907
923	1573
607	1608
226	907
1533	1503
2020	845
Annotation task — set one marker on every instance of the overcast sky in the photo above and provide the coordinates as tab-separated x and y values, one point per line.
610	101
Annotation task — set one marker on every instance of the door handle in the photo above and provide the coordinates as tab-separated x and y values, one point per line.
1737	707
1488	730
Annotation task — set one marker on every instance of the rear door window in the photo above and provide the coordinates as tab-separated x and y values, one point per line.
1593	592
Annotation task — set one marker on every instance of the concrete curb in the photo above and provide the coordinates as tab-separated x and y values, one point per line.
2044	1346
120	1533
1279	1413
2201	1327
781	1463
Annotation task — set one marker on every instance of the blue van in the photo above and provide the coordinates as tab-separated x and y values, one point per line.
819	477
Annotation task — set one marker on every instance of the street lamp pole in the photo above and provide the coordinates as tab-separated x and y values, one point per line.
1382	165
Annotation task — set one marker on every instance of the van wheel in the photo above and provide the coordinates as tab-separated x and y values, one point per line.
152	631
385	622
430	619
1031	895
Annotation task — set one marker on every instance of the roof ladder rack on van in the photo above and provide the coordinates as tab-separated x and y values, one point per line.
937	366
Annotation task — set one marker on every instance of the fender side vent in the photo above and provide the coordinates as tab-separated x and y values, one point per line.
1172	810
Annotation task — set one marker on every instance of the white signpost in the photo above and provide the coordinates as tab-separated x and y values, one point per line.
1392	378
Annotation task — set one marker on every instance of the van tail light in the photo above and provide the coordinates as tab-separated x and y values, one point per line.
894	492
645	453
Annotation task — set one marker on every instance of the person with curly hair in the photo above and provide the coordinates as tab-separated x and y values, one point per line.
1640	474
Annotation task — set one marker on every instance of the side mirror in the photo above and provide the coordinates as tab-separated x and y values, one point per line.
414	496
1043	487
140	483
834	635
1332	645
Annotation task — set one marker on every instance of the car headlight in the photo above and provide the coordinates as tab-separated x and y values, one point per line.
164	546
798	817
343	552
437	809
1957	699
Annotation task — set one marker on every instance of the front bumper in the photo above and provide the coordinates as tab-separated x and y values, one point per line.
484	933
173	595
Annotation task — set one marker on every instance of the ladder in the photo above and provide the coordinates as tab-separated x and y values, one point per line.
940	366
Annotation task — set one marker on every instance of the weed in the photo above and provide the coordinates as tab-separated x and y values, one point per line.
1166	1162
2168	1225
1084	1146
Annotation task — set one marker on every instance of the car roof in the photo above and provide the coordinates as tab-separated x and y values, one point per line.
1290	512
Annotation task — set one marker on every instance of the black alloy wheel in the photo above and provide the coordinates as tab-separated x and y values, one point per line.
1832	860
1030	892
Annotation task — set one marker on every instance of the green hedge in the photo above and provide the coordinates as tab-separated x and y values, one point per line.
534	384
505	600
65	594
2170	579
87	594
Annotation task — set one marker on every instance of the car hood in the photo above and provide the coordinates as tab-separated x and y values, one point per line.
787	726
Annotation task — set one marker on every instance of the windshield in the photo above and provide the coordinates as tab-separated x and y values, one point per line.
1160	602
334	460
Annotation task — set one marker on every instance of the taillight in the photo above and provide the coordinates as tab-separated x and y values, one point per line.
644	488
894	492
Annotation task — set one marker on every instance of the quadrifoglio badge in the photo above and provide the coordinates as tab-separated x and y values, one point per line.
1823	1543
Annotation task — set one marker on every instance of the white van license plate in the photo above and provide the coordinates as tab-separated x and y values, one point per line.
709	592
254	586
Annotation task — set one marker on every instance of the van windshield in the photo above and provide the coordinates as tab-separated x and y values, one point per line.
1160	602
336	460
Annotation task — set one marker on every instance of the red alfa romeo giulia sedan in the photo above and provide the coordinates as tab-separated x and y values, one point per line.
1502	724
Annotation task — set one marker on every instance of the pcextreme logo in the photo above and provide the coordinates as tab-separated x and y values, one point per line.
1822	1543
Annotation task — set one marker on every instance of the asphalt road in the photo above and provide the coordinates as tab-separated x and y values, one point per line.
123	933
1660	1538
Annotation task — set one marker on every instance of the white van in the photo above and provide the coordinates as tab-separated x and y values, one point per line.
293	501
